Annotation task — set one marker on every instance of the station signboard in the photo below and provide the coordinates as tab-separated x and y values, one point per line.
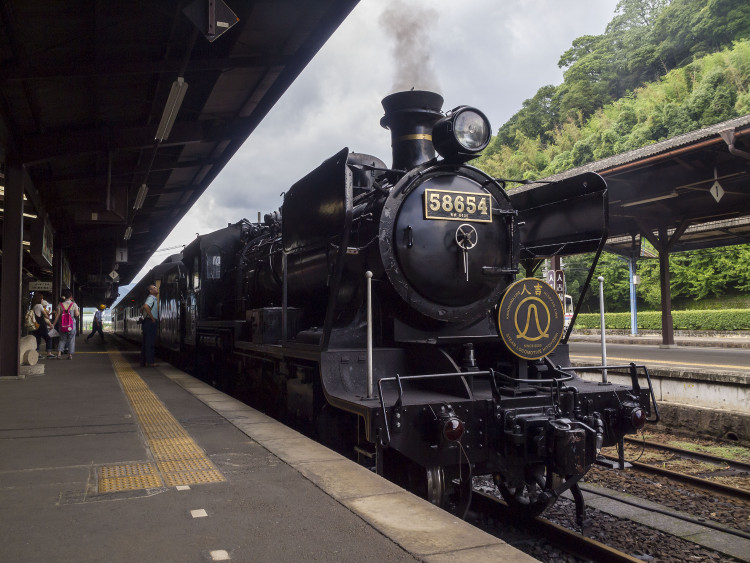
66	276
556	280
42	238
40	286
121	254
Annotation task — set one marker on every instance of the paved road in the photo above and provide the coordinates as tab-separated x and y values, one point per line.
681	357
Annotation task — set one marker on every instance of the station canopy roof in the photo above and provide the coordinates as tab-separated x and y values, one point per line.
86	89
689	192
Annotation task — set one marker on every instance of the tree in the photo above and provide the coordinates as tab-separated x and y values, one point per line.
687	29
538	117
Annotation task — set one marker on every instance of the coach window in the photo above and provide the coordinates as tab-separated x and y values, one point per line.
213	264
196	273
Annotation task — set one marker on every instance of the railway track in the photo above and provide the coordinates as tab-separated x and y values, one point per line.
704	484
639	503
569	541
701	456
633	526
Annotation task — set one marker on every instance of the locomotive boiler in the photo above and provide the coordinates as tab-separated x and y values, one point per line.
382	309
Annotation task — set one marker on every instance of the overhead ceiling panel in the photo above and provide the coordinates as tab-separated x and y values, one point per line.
666	187
82	90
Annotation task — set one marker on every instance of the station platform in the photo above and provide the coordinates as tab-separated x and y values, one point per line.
104	460
740	339
693	394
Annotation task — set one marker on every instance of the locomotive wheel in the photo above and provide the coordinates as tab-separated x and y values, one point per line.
530	499
453	495
433	484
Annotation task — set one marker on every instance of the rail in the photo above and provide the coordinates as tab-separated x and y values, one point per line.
671	513
692	454
704	485
568	540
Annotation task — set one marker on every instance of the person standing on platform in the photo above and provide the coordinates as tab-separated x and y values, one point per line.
97	325
150	323
66	314
39	306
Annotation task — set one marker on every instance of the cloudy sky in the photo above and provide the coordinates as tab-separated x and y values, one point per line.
490	54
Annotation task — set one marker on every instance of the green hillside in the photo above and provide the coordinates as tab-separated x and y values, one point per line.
662	68
711	89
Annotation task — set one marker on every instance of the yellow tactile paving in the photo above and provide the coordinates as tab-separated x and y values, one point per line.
130	483
115	478
112	471
179	460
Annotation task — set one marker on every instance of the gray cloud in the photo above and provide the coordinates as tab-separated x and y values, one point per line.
487	53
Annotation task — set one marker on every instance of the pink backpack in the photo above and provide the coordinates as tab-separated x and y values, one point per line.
66	319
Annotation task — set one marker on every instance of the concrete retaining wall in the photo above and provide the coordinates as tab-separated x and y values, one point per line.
715	405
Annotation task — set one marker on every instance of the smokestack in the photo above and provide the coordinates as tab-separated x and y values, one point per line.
410	116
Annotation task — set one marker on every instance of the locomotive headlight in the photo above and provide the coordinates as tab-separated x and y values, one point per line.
461	134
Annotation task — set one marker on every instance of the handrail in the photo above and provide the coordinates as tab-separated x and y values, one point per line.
632	370
399	401
398	380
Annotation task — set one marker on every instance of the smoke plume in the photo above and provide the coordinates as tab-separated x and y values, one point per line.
409	27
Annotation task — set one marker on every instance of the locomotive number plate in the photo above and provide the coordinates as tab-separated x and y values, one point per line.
457	206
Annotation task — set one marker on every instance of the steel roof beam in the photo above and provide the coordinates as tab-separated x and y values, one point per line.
41	148
49	71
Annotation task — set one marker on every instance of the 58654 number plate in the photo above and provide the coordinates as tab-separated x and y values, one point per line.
457	206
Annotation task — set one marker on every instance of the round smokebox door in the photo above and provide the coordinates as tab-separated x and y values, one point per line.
445	236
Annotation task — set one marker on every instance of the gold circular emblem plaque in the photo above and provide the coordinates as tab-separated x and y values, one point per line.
531	319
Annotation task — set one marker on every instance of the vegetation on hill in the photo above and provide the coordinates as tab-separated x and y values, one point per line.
662	68
709	90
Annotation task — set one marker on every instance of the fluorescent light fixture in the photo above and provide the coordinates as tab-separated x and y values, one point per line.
174	101
2	193
128	233
670	195
142	191
29	215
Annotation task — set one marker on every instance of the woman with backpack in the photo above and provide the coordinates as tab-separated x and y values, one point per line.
66	314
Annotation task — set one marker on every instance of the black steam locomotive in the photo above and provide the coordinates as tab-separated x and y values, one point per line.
380	310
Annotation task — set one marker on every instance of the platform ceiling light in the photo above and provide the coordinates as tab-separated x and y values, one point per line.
174	101
2	193
140	197
670	195
128	233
